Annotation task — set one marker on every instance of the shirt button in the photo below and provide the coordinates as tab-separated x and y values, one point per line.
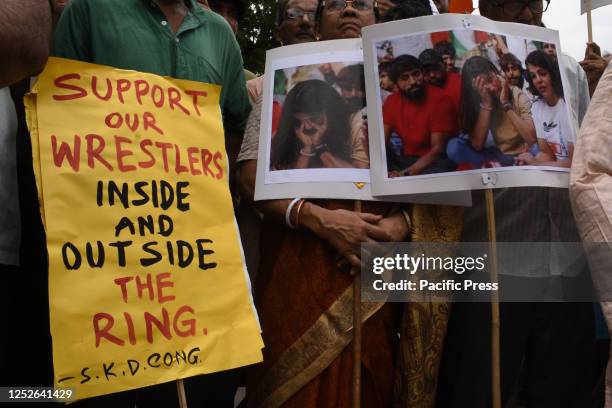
176	39
164	23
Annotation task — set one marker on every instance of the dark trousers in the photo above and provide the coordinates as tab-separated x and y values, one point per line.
553	342
441	165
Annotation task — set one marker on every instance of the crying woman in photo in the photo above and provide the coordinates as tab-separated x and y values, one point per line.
316	131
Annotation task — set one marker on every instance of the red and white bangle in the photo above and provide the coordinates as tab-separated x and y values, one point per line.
288	212
297	213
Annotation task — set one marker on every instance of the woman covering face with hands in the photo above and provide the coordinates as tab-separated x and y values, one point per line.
495	116
314	130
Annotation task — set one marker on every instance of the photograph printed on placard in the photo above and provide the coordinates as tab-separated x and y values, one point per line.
313	140
470	101
318	117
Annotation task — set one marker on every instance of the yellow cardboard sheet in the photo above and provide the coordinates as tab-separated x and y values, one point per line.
147	283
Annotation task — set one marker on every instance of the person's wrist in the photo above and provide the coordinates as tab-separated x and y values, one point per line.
321	148
310	217
486	107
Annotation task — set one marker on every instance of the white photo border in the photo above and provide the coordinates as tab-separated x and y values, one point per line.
282	184
523	176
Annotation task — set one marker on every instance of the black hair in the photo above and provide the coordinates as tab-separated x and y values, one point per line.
351	75
403	63
540	59
429	56
240	7
385	66
311	96
508	60
281	7
470	99
445	48
408	9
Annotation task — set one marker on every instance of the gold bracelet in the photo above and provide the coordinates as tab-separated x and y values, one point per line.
407	218
297	214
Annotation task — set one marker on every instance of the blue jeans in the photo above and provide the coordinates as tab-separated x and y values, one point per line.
459	150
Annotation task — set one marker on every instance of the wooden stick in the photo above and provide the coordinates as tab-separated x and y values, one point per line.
589	6
495	350
357	330
180	388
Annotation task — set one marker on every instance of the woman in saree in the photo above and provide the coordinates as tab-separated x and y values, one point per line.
303	290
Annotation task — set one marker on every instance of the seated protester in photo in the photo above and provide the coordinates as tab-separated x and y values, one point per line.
513	70
495	116
404	10
422	118
449	55
449	83
315	131
351	81
387	86
550	49
549	112
408	9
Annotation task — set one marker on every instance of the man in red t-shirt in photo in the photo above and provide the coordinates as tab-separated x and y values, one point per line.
447	82
422	117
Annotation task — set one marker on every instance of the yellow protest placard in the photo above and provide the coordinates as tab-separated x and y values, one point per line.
146	276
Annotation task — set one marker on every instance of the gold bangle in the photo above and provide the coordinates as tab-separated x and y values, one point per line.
407	218
297	214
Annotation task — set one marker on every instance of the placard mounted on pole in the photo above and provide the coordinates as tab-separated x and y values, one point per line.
595	4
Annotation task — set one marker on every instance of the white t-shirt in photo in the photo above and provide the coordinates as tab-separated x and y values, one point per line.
552	125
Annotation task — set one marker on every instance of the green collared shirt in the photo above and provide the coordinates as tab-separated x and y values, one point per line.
134	34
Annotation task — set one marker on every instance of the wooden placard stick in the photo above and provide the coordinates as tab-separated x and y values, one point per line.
495	349
589	6
357	329
180	388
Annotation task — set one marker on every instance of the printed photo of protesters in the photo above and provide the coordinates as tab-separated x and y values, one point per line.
320	113
422	118
468	100
555	136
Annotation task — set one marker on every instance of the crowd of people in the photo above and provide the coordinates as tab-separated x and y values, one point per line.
301	256
439	117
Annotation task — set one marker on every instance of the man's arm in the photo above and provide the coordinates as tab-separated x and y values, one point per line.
438	147
25	36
